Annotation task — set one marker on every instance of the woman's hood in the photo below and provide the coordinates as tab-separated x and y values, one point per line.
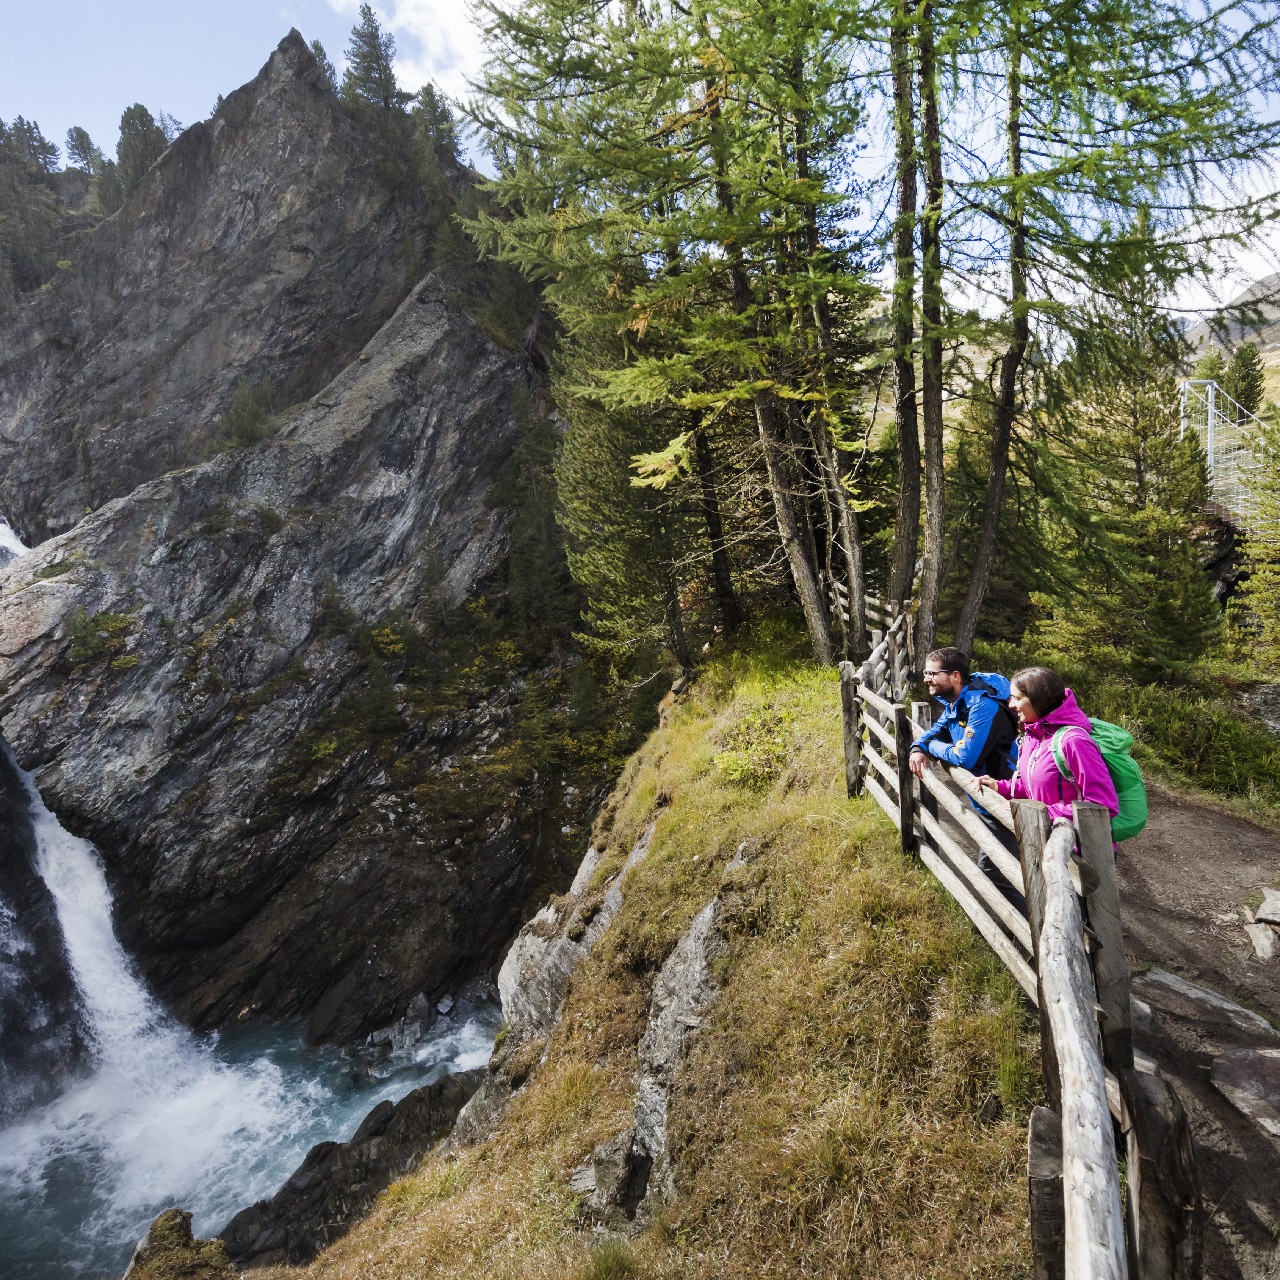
1068	713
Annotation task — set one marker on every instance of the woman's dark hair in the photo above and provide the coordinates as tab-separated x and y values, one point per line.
1045	688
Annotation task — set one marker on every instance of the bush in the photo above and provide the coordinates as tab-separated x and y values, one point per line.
250	416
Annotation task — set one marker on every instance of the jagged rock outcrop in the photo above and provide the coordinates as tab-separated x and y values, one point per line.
160	662
43	1040
169	1251
263	243
339	1181
534	981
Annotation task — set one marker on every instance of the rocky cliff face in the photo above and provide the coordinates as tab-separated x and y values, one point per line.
261	244
276	687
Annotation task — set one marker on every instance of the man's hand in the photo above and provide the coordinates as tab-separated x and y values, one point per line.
917	762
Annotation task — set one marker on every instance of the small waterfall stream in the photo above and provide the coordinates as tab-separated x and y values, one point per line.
166	1117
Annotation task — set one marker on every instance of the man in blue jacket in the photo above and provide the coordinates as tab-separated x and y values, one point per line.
976	731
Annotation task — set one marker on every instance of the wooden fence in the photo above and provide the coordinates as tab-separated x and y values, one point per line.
1067	955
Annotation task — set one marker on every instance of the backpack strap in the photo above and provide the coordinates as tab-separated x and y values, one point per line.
1059	756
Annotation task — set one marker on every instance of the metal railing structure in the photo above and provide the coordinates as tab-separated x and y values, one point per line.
1067	955
1234	447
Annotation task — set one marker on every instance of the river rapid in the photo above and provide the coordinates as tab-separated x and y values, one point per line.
166	1117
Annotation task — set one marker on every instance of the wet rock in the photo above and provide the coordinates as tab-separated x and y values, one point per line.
43	1038
339	1181
169	1252
444	1004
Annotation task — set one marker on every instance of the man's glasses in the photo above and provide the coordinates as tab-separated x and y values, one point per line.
933	675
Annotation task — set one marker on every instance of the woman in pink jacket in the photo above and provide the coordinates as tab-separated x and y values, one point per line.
1044	705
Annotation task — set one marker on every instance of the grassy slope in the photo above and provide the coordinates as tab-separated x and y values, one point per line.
827	1120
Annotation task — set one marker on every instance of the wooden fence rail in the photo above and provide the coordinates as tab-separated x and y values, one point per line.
1067	955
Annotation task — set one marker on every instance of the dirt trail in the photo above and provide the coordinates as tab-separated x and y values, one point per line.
1184	884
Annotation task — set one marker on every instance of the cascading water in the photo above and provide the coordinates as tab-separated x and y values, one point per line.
166	1117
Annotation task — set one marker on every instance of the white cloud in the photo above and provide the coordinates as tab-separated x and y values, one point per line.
436	40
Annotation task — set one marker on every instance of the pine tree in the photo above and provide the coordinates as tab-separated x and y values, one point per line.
26	138
81	151
1243	378
1131	489
370	78
142	142
326	67
1212	366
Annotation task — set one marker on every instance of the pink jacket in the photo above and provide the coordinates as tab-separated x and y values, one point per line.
1037	776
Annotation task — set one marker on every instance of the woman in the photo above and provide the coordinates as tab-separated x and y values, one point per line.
1045	705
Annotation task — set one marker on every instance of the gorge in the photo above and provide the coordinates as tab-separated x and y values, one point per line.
312	743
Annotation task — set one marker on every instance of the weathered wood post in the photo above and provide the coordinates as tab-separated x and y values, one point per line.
1166	1211
1044	1195
922	718
1095	1237
902	739
1102	908
1031	823
851	709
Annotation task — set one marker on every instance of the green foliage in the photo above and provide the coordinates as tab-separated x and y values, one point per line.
1259	593
82	152
1128	496
250	416
99	636
326	67
754	748
370	78
142	141
1243	379
28	211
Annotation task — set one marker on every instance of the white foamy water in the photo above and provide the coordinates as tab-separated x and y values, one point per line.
11	546
167	1118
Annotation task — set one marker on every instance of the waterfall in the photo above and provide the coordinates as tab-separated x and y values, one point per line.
165	1117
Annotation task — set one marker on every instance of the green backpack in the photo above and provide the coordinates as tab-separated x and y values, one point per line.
1115	744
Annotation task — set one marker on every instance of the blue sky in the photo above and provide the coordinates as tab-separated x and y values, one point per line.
82	62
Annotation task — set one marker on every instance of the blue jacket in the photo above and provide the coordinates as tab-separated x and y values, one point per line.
961	732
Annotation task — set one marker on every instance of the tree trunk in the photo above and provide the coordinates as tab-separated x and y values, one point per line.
802	572
1010	362
730	613
931	346
907	533
676	639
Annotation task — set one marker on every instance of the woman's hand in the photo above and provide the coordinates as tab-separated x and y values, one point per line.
988	781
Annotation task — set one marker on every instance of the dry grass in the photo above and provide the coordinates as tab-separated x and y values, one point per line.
827	1120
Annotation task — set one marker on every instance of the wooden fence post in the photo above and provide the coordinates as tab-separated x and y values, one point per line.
1031	822
1166	1211
1090	1180
1102	907
903	738
851	708
1044	1196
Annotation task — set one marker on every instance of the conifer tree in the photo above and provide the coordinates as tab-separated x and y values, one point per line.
82	152
1243	377
370	78
326	67
142	142
1132	492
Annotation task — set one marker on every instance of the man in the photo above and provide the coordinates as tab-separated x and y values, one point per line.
976	731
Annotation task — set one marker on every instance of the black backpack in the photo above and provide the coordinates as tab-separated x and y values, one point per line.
1003	733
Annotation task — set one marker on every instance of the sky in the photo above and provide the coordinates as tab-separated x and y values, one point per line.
82	62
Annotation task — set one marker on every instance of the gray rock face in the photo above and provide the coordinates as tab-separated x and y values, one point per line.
210	595
339	1181
262	243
